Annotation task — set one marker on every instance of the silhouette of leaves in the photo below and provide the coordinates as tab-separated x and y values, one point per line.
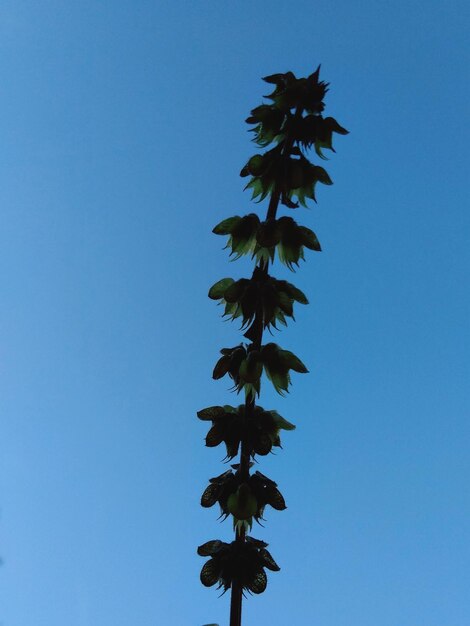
243	562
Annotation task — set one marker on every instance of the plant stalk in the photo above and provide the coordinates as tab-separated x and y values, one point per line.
244	466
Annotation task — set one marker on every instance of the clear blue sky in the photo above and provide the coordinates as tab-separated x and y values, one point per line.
122	135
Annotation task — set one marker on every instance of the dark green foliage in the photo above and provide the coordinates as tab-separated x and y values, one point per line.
293	93
261	294
289	125
293	174
283	235
218	490
230	426
277	364
242	231
315	131
243	562
245	365
266	492
243	499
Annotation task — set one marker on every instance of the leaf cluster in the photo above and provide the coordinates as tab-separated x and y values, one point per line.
274	121
307	131
245	365
261	295
285	167
260	430
316	131
242	562
292	93
242	499
248	235
292	174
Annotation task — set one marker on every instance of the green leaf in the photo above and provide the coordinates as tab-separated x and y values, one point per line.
216	292
211	413
269	352
210	547
318	148
333	125
209	497
322	175
268	234
260	112
231	308
309	239
215	436
242	238
274	79
279	378
221	367
285	302
276	500
264	445
251	368
226	226
268	560
235	290
259	582
292	362
210	573
296	293
280	318
260	187
252	389
289	255
256	165
281	422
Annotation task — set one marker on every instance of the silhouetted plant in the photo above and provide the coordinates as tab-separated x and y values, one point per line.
293	123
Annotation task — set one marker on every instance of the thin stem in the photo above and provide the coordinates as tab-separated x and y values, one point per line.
273	204
237	591
245	451
236	604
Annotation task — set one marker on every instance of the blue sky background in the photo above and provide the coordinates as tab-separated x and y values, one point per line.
122	135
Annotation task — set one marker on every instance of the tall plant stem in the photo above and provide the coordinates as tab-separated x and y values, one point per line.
244	466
